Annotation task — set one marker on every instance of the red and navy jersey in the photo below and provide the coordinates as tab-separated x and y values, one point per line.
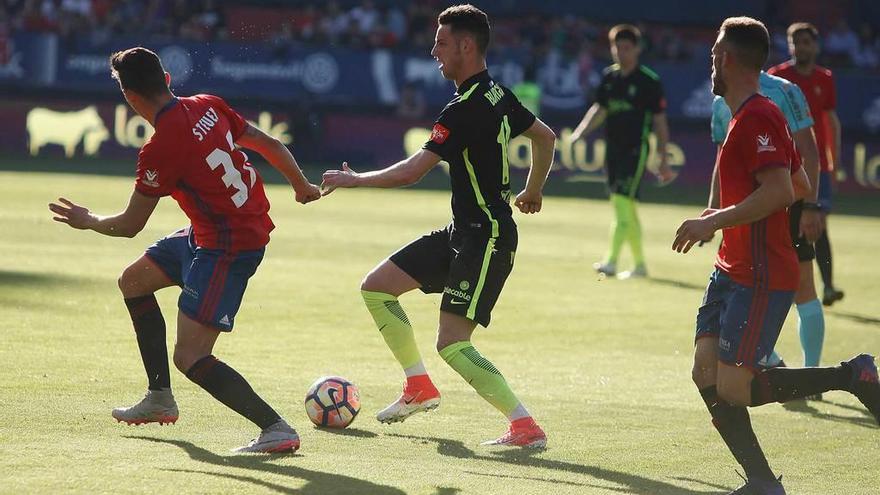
759	254
819	90
193	158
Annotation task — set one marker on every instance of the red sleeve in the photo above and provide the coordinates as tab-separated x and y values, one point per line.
763	145
237	123
157	174
831	93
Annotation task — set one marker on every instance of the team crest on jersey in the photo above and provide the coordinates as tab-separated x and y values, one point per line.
151	178
764	143
439	133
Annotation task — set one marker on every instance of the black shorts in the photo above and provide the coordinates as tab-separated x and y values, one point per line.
625	169
468	267
805	250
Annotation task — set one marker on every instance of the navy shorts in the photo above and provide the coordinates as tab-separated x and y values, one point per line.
213	280
746	321
825	191
468	267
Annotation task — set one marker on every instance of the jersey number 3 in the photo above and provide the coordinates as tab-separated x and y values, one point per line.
231	175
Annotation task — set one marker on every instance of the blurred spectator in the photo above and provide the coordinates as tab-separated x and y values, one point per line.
412	104
868	54
841	44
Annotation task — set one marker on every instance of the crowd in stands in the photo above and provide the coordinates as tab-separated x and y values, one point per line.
405	25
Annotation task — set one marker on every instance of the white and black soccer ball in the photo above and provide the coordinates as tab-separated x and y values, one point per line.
332	402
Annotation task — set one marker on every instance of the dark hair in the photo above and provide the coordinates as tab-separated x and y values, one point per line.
140	70
625	32
802	27
469	19
748	39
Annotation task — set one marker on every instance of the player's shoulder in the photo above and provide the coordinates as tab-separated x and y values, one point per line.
823	72
648	73
780	68
611	70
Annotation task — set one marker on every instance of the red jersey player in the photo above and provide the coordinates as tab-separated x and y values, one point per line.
193	158
817	84
756	271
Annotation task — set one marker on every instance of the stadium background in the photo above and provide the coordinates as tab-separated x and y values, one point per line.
353	80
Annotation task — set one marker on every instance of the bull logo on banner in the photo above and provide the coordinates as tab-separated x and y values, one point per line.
66	129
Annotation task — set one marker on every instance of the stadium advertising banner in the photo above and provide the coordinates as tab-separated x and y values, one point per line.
371	78
111	130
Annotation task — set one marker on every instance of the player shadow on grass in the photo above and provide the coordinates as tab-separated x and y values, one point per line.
348	432
866	320
630	483
317	482
802	406
14	278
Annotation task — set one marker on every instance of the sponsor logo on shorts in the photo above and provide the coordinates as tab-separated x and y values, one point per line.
189	291
464	285
225	320
724	344
457	293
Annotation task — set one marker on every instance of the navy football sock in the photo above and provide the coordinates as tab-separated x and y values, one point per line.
149	326
823	259
735	427
230	388
784	384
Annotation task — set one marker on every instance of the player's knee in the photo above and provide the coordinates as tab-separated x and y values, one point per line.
373	282
184	359
127	281
703	374
735	393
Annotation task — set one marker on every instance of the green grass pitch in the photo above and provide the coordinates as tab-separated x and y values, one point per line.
604	365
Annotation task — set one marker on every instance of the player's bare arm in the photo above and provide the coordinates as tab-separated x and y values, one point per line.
543	145
661	129
834	123
282	160
801	185
402	173
811	225
775	191
593	119
125	224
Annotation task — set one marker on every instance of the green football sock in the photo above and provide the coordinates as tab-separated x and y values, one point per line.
635	231
394	327
482	375
619	228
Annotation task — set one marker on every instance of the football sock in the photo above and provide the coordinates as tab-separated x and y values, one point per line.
635	232
784	384
230	388
823	259
481	375
395	329
149	326
811	328
619	228
735	427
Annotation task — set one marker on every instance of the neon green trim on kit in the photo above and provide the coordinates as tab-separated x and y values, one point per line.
467	94
484	269
481	201
643	157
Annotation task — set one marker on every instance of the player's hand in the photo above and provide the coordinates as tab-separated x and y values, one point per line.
811	226
72	214
529	202
308	193
692	231
338	178
665	173
707	211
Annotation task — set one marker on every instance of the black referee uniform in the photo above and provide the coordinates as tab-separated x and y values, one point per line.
470	259
631	101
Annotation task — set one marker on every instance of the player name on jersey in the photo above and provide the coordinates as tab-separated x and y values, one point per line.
205	124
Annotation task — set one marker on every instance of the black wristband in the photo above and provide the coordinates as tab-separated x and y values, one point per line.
809	205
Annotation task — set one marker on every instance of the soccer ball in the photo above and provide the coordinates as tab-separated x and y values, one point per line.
332	401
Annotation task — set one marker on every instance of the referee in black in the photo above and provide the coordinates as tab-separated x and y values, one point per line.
469	260
630	98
